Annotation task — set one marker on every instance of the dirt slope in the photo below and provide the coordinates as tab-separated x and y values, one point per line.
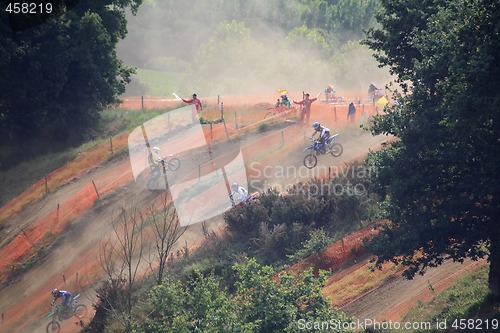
73	255
392	300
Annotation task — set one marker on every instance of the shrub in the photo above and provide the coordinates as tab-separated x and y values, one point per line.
269	227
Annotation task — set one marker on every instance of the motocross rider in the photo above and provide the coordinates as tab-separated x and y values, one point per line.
324	134
154	158
242	193
66	297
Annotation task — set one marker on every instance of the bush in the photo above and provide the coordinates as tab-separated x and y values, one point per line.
109	300
269	226
317	241
263	128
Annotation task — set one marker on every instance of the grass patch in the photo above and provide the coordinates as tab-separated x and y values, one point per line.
468	298
159	83
16	180
359	282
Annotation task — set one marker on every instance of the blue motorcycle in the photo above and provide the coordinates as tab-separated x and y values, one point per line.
317	148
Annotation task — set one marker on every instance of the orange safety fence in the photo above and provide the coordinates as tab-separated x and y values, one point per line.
332	114
70	170
79	276
337	254
43	231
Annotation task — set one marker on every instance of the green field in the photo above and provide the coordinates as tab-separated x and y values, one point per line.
159	83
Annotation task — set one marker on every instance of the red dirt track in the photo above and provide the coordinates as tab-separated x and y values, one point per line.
72	240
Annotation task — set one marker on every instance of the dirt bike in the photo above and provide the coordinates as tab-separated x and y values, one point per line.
277	110
281	106
317	148
332	98
249	198
61	313
156	174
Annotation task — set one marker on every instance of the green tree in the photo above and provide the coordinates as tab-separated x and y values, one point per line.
308	40
262	302
441	176
228	55
58	72
280	303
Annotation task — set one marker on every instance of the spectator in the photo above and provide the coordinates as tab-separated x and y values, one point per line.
306	108
196	106
329	93
351	112
373	91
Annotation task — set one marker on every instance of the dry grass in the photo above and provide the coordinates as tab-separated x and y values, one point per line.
358	282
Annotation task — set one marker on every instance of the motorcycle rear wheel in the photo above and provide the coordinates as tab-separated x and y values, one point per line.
53	327
310	161
80	311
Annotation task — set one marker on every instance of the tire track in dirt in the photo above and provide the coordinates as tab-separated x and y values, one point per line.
78	242
392	300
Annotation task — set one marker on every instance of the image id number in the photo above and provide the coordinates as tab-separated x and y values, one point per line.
475	324
29	8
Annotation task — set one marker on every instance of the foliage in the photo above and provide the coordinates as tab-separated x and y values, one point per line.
275	226
441	178
110	297
316	242
308	40
238	46
261	303
55	77
345	19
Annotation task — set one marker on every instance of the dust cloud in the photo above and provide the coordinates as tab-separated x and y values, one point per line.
212	51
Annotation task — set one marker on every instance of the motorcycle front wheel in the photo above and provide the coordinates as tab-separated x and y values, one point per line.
174	164
310	161
53	327
80	311
269	115
336	149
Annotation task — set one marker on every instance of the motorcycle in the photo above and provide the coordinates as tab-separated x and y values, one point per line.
61	313
317	148
157	171
280	106
330	97
249	198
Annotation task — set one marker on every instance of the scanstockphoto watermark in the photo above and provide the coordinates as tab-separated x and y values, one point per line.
353	171
361	325
334	180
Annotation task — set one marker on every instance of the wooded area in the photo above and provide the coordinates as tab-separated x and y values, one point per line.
441	178
59	71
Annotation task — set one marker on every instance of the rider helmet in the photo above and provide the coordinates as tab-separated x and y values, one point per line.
55	292
156	149
316	125
234	187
